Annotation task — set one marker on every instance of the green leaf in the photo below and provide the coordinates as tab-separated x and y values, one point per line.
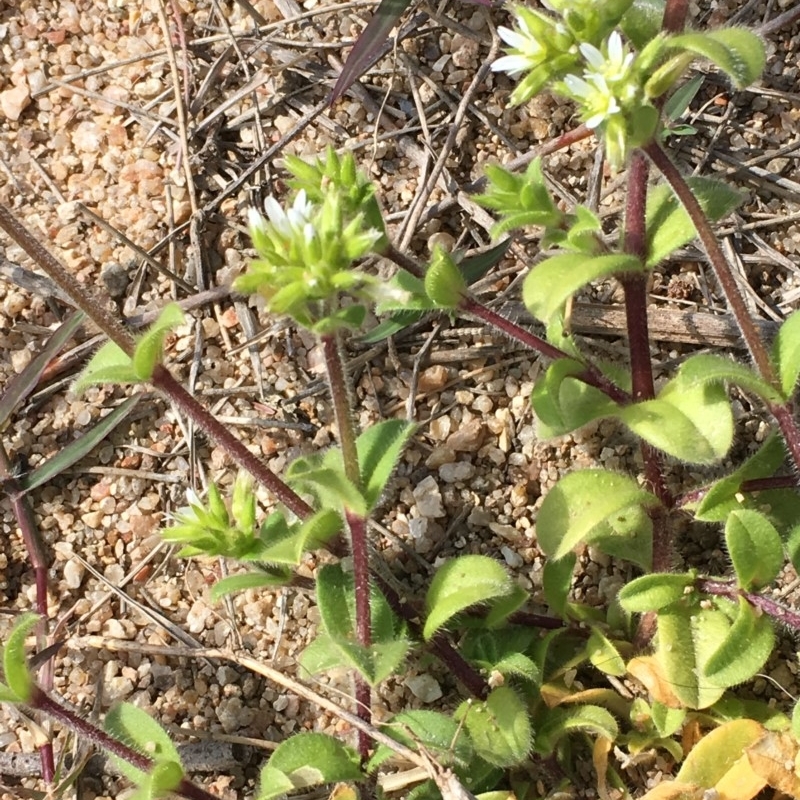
745	649
708	368
444	283
667	720
336	600
460	583
473	268
579	503
322	655
669	226
110	364
786	353
323	476
165	777
561	721
551	283
604	655
20	386
562	403
80	447
692	422
628	535
687	637
305	760
642	21
556	582
681	99
499	727
654	592
736	51
379	448
250	580
138	730
502	607
15	667
723	497
150	347
502	651
442	737
300	538
397	322
755	548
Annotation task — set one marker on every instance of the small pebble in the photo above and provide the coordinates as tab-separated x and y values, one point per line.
425	687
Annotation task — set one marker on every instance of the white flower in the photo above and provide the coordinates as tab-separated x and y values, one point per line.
613	67
595	96
295	221
526	52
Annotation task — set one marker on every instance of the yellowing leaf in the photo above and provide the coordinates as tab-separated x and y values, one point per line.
672	790
775	758
740	782
716	753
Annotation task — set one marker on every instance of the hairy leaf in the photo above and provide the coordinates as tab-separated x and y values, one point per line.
110	364
379	447
150	347
551	283
499	727
786	353
305	760
604	655
460	583
687	638
579	503
736	51
708	368
138	730
654	592
692	422
744	650
561	721
15	667
718	751
556	582
669	226
250	580
755	548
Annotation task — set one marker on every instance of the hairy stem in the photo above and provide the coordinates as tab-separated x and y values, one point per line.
717	260
69	719
165	383
37	555
590	375
675	13
357	525
778	612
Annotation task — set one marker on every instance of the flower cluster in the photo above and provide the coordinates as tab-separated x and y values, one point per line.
306	253
583	59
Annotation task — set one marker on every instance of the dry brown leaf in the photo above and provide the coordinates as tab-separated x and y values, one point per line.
776	759
650	674
672	790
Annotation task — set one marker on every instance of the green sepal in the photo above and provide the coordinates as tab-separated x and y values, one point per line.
306	760
499	727
19	682
444	283
744	651
654	592
755	549
461	583
667	75
582	502
738	52
552	282
786	353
